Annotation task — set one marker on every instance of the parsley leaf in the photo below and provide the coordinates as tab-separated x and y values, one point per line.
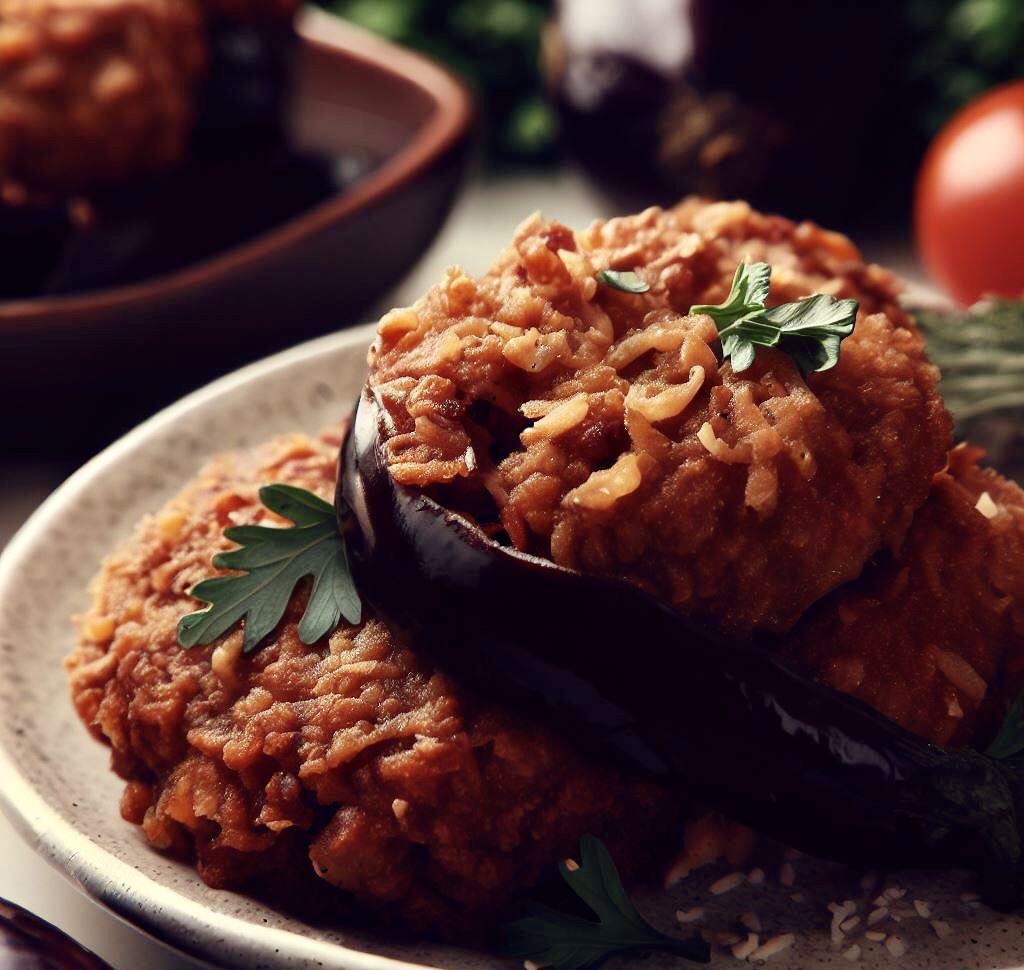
625	280
565	942
1010	740
269	564
746	299
809	330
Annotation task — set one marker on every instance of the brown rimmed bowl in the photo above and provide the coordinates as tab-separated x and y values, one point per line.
92	364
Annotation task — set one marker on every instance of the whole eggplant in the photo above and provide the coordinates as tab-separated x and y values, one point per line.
724	721
782	102
29	943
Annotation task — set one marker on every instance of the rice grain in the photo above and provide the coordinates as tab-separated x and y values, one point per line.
895	946
773	946
839	916
679	870
942	928
726	883
986	506
751	921
744	949
877	915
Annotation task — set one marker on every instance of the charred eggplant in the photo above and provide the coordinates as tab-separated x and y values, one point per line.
627	675
29	943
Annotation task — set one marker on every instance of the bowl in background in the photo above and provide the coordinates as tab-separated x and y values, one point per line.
82	368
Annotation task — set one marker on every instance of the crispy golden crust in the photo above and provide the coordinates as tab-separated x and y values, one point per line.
601	429
351	763
923	636
94	92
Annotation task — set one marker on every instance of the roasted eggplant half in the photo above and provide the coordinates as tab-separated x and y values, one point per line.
29	943
725	721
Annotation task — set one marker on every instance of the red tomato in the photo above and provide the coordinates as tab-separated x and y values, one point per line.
969	203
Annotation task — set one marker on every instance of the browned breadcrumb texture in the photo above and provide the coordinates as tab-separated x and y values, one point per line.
94	92
601	430
934	637
350	763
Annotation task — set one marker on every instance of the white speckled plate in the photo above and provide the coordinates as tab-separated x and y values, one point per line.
55	786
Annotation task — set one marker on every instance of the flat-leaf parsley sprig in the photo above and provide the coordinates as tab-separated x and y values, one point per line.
809	330
268	565
565	942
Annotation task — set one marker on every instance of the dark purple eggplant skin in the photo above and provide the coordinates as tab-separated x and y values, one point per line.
724	721
29	943
786	103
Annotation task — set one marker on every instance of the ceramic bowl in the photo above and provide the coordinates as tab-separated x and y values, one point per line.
126	351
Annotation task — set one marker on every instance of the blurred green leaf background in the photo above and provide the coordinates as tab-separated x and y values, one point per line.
957	48
492	44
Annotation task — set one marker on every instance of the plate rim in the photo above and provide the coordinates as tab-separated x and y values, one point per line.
159	911
146	904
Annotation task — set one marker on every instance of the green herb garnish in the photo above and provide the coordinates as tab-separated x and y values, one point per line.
625	280
980	352
1010	740
565	942
270	562
809	330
